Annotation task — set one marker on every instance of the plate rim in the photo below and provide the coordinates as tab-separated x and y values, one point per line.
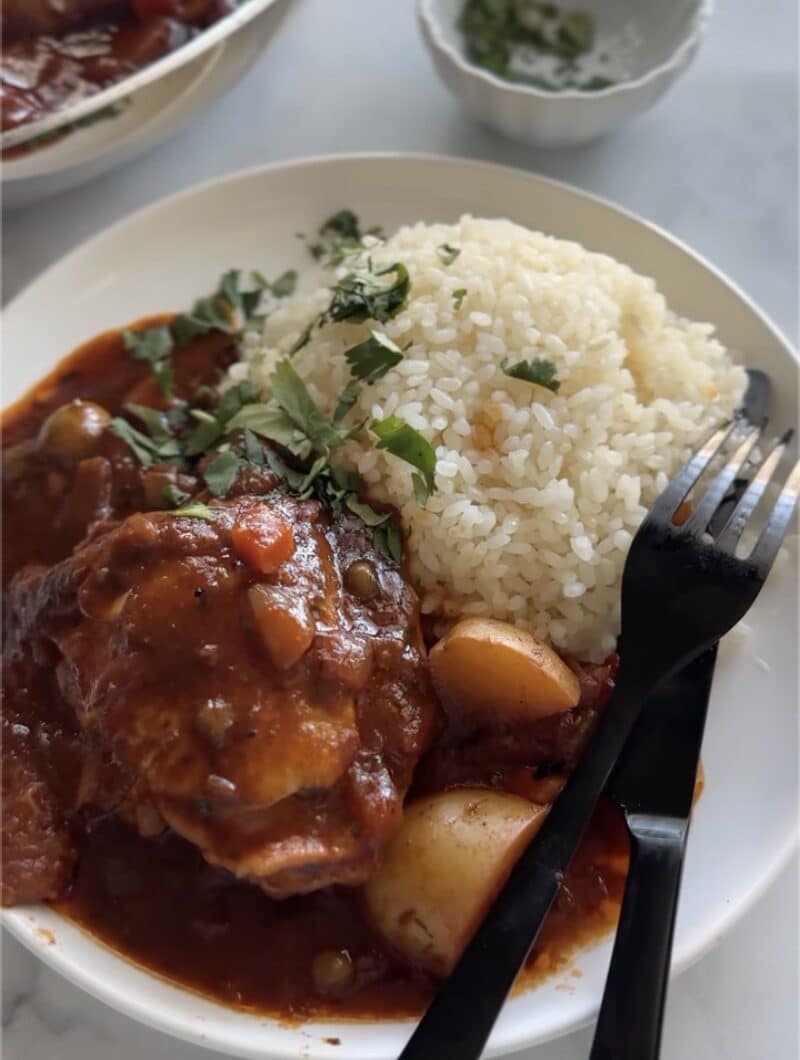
713	931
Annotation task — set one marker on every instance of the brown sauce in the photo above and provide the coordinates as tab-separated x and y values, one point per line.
161	905
54	55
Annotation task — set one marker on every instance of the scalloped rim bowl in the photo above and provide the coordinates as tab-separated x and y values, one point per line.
738	844
563	118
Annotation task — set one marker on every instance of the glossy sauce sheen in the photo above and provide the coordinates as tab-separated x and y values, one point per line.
56	54
162	905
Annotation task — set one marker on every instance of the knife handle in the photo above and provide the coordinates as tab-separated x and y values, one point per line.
631	1016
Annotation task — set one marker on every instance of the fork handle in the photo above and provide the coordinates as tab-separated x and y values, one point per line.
632	1012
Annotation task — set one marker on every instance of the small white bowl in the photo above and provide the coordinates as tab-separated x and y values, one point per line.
648	44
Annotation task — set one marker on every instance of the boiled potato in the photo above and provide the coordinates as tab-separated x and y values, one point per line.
485	671
441	871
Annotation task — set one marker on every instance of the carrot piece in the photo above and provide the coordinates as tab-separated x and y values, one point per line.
262	539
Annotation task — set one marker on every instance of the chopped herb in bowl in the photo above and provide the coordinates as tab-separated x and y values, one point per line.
530	42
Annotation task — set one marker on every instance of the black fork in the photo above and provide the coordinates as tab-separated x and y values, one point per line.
682	590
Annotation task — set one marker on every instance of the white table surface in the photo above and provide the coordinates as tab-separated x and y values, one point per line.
715	163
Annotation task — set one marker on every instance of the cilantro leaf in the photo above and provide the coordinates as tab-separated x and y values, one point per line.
458	297
365	512
347	398
387	539
245	302
372	359
207	314
268	420
361	296
221	473
153	346
144	448
421	489
539	371
447	254
302	339
174	496
344	223
406	443
292	395
348	481
154	420
285	285
206	432
194	510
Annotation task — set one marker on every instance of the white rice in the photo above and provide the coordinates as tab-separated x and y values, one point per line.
539	493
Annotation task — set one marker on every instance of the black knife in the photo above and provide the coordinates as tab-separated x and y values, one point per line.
653	784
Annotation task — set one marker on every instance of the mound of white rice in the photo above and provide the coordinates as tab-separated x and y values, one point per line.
539	493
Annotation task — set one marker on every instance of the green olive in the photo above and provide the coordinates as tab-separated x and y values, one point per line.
332	971
73	431
361	579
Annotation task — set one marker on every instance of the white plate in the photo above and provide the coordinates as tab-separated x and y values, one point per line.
150	113
745	825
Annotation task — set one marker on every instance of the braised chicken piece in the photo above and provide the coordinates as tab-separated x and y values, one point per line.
254	679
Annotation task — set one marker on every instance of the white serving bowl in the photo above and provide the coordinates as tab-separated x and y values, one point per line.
648	42
156	102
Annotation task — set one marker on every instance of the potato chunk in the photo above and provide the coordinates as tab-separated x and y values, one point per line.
440	873
485	671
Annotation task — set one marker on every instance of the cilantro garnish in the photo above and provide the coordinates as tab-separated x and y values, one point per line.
194	510
174	496
403	441
147	449
285	285
153	346
458	297
362	295
373	358
539	371
447	254
498	32
340	238
221	473
286	431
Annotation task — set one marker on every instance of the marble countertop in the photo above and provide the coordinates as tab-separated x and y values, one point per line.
715	163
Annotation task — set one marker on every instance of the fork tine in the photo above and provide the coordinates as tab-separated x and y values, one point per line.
714	495
732	531
668	502
776	526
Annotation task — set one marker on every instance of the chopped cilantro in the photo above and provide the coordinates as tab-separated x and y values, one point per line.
268	420
458	297
372	359
302	340
221	473
292	395
406	443
153	346
194	510
285	285
174	496
539	371
447	254
344	223
502	36
341	237
361	295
